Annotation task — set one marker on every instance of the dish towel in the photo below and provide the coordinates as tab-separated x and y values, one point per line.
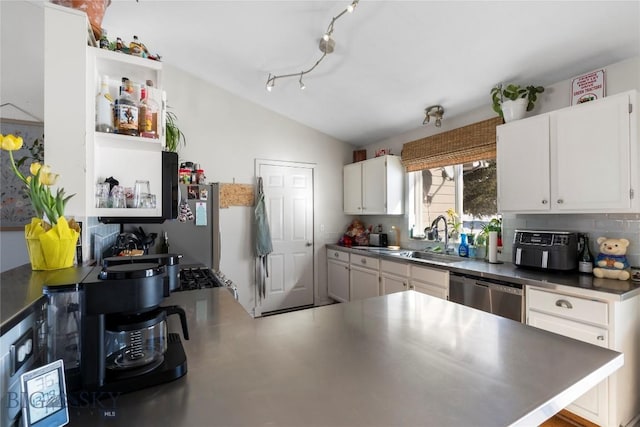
263	240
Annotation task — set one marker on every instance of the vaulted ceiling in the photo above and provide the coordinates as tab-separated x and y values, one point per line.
392	58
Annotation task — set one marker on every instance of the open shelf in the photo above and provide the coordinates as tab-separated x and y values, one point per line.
118	141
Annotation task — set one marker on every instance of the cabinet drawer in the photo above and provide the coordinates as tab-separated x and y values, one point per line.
570	307
339	255
397	268
364	261
430	275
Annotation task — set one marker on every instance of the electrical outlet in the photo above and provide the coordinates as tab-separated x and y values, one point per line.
21	351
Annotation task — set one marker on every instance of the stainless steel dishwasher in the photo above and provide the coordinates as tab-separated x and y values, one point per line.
493	296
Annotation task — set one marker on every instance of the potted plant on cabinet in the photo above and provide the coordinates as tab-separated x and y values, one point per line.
175	137
511	102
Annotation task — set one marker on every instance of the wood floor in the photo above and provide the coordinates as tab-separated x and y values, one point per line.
567	419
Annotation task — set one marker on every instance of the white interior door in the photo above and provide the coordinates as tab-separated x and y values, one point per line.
288	191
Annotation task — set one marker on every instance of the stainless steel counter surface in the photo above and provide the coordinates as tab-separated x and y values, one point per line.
21	287
608	288
401	359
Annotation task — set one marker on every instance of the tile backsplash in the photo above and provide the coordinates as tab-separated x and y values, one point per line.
595	225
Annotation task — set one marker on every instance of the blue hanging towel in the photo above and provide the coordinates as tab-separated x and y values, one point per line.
263	240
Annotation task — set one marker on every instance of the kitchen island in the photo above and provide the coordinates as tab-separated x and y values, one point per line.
400	359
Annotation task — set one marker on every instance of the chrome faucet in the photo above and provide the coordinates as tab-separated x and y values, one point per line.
434	229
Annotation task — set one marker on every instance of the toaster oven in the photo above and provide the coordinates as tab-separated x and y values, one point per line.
547	250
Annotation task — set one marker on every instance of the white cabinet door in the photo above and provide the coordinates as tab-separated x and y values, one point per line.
523	165
593	405
338	280
374	186
392	283
429	289
352	175
590	156
363	283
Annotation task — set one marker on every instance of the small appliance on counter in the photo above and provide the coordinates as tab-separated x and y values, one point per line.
547	250
171	263
111	330
378	239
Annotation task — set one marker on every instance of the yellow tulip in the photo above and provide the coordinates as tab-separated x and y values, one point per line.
28	180
49	178
11	142
34	168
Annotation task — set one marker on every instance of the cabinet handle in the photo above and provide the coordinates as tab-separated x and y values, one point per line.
335	254
600	337
544	201
364	261
404	284
560	201
411	287
563	303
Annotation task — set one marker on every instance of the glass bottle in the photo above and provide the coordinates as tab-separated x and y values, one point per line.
126	110
104	107
585	259
164	246
104	41
135	47
151	112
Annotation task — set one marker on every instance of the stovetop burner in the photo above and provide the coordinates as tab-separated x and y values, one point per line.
197	278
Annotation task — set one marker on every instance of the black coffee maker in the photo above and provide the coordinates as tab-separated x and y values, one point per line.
124	343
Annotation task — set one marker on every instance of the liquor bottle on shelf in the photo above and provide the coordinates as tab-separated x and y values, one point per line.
585	259
104	41
104	107
151	112
126	110
138	49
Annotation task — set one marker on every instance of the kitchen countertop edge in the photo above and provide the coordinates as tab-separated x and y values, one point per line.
609	289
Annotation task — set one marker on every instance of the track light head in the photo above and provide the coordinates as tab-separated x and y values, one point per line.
435	111
302	85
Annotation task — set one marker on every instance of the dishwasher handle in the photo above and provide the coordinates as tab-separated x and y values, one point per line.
500	288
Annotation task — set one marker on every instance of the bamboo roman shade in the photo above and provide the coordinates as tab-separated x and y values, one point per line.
466	144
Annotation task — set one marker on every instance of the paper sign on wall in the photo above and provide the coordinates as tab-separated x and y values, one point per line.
587	87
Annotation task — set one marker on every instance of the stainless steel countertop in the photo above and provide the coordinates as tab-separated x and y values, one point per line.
401	359
614	290
21	287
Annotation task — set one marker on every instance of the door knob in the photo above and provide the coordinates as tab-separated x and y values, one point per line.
309	244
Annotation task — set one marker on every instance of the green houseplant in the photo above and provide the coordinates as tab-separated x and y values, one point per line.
175	137
512	101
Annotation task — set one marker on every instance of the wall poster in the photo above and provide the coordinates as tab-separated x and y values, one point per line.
15	207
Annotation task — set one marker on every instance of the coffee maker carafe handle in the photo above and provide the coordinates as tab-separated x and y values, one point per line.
174	309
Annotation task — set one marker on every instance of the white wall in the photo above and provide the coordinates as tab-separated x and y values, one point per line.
22	84
620	77
226	134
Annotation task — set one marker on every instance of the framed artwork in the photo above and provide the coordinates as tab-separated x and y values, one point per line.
15	207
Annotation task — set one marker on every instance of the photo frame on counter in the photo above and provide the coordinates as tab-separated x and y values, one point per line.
15	206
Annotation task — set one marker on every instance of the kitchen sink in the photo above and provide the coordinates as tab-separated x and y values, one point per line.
429	256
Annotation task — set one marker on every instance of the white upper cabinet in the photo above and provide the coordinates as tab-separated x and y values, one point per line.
523	165
578	159
374	186
590	155
83	156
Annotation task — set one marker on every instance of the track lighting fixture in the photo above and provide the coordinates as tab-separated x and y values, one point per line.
326	46
435	111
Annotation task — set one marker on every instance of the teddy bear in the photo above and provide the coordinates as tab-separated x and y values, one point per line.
611	262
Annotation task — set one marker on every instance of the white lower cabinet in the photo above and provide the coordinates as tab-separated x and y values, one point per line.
394	277
364	277
338	275
605	323
430	281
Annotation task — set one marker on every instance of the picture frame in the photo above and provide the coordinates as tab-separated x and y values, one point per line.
15	206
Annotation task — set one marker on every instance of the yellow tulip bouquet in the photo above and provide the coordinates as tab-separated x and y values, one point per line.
51	244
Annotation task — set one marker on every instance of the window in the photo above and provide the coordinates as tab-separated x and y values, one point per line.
470	189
